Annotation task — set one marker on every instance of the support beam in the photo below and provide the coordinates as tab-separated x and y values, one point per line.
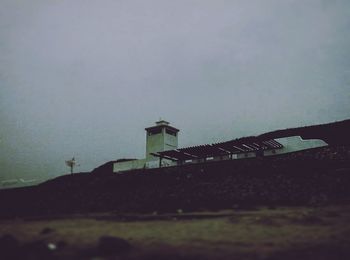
160	161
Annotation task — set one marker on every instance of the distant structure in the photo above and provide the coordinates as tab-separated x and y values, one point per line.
162	149
71	164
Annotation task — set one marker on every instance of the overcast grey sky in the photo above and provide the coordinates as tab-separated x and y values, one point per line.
85	78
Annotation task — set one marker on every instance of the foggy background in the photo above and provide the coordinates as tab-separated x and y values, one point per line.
84	78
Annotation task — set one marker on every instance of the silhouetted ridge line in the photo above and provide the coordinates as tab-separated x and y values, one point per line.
333	133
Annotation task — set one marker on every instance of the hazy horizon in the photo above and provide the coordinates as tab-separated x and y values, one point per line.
84	78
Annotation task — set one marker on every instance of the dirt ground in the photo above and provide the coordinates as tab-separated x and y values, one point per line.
263	233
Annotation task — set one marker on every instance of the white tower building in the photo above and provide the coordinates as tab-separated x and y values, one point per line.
159	138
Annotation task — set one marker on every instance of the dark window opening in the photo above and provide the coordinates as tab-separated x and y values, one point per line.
154	131
170	132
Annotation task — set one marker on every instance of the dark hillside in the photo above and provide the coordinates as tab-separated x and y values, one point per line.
305	178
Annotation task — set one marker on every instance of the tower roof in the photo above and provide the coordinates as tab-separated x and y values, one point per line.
162	124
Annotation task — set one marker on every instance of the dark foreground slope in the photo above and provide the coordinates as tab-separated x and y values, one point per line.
307	178
311	177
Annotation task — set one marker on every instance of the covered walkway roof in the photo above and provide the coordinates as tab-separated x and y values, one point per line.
243	145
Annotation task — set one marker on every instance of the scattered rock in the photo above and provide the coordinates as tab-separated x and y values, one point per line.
52	246
46	231
109	245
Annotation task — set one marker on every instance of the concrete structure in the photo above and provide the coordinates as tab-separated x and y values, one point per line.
160	137
162	149
294	144
129	165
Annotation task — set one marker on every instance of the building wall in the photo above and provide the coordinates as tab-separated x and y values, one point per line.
245	155
294	144
170	142
129	165
141	164
209	159
154	143
155	163
158	143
